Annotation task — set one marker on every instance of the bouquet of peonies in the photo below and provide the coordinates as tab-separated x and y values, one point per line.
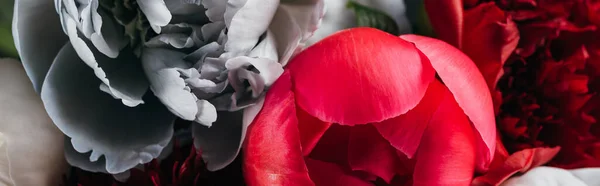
301	92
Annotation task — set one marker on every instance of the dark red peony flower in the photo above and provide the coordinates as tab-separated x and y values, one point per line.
363	107
549	50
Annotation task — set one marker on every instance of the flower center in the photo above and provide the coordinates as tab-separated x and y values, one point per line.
128	14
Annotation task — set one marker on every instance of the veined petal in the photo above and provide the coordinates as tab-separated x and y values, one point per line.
469	88
97	123
26	133
446	155
360	76
446	18
157	13
272	152
37	43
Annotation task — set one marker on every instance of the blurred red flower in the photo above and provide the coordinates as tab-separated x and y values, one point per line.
549	51
363	107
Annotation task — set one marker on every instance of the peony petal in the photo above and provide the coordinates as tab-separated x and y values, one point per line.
287	35
492	37
215	9
36	43
324	173
468	86
125	136
272	152
446	155
369	152
521	161
219	143
307	14
333	146
588	175
157	13
356	77
161	67
446	18
406	131
121	77
545	176
31	152
246	21
311	130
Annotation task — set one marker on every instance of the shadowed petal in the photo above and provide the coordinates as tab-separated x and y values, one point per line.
97	123
359	76
369	152
157	13
219	143
37	43
469	88
324	173
446	155
307	14
272	151
31	145
446	19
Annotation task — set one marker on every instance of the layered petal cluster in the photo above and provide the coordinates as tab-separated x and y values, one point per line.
209	62
363	107
549	92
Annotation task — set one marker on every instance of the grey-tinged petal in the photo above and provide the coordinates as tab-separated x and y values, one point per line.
123	77
107	37
96	123
268	69
246	21
337	17
221	143
307	14
287	33
215	9
162	66
267	48
175	35
157	13
203	52
37	43
207	113
185	7
31	152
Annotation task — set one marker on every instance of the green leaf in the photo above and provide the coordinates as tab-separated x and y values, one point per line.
7	47
370	17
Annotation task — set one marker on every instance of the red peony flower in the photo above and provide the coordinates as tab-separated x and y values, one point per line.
550	55
363	107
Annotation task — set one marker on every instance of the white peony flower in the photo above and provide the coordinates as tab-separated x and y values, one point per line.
93	62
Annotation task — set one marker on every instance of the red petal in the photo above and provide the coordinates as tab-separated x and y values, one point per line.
492	37
333	146
272	153
446	18
369	152
405	131
469	88
359	76
520	161
329	174
446	155
311	130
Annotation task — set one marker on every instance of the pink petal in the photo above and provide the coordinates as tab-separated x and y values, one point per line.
272	152
369	152
446	155
329	174
405	131
359	76
469	88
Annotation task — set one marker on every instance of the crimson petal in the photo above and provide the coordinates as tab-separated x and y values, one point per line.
369	152
446	18
272	153
359	76
446	155
311	130
329	174
405	131
469	88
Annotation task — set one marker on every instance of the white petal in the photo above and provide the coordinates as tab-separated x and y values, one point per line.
157	13
246	21
287	33
207	113
124	136
123	76
37	43
545	176
307	14
161	67
215	9
269	70
588	175
32	150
